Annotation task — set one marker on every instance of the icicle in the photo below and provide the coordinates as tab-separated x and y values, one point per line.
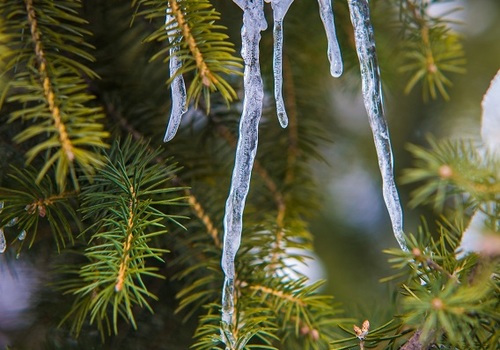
178	87
3	242
280	8
372	96
334	56
253	23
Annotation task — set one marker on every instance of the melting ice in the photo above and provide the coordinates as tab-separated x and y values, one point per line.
178	86
372	96
334	55
253	23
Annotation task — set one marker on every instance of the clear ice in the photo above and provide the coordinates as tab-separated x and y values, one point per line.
334	55
372	96
3	242
280	8
178	86
253	23
22	235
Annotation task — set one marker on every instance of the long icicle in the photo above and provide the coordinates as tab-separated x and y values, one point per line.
178	86
372	96
334	55
253	23
280	8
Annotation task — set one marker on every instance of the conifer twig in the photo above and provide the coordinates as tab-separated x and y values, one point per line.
278	293
127	244
192	200
207	77
48	91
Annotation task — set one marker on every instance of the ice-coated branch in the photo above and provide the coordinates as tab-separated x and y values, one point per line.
179	95
372	96
253	23
334	55
280	8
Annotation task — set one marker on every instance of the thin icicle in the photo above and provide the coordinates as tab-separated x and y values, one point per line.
178	87
372	96
334	55
280	8
253	23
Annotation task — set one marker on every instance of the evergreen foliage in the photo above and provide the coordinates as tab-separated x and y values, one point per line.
133	227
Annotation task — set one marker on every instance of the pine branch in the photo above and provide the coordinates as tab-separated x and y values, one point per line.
48	91
198	209
430	51
47	88
123	203
451	169
204	49
207	78
26	202
445	297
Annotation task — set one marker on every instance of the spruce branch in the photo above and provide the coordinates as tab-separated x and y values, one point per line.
207	78
445	297
123	204
431	49
47	92
449	169
27	203
195	204
204	47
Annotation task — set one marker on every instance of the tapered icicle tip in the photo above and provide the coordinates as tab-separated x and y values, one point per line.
178	108
283	119
334	55
171	131
372	97
336	67
278	72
